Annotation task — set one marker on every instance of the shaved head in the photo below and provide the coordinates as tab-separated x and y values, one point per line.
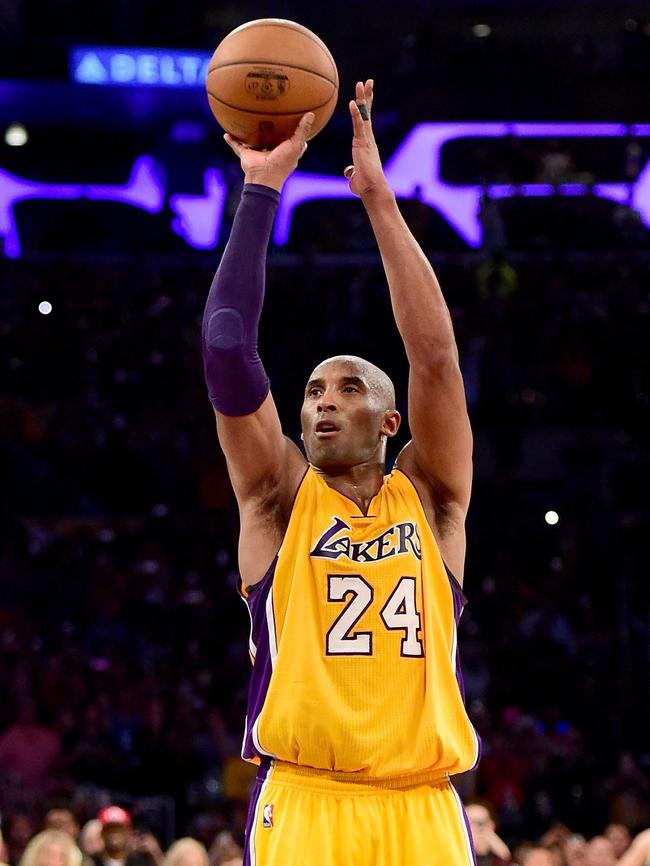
379	383
348	413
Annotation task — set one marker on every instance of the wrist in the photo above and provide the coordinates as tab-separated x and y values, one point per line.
264	178
379	196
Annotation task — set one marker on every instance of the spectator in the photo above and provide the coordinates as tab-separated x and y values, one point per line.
20	829
51	848
619	836
600	852
90	838
3	850
627	790
638	854
536	855
224	851
490	849
118	838
61	817
186	852
147	846
575	850
28	749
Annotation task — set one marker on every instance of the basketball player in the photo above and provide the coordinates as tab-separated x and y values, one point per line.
352	578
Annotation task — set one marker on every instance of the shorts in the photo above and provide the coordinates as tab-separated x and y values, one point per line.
304	817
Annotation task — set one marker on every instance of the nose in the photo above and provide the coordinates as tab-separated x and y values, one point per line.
326	403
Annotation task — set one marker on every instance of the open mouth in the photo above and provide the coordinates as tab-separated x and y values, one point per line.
325	429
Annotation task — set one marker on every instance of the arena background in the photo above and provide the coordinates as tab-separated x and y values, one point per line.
123	645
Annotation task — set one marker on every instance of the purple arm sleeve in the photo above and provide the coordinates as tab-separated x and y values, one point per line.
236	379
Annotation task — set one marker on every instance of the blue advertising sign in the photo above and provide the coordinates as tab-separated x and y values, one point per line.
138	67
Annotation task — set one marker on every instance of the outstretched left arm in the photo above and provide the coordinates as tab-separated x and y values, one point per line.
440	454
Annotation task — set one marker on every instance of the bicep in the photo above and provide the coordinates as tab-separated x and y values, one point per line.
259	456
441	431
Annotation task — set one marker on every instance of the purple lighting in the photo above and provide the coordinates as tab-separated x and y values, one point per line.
143	189
198	217
14	189
412	171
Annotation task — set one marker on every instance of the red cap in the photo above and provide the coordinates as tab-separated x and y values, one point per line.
114	815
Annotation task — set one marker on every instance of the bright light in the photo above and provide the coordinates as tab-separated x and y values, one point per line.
16	135
45	308
551	517
481	30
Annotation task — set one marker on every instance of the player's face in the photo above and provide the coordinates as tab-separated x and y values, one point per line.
344	423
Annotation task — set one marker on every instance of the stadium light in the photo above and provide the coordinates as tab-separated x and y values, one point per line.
16	135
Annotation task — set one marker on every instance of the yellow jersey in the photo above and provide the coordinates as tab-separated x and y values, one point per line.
353	641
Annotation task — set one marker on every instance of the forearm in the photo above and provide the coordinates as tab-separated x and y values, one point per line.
420	310
236	379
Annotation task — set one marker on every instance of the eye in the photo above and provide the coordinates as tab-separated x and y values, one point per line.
350	388
314	392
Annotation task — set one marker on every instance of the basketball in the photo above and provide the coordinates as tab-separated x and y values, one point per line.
265	75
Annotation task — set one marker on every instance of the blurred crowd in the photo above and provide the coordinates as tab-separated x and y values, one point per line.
109	839
112	839
123	645
123	649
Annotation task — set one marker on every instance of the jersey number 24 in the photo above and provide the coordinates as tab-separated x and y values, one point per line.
398	614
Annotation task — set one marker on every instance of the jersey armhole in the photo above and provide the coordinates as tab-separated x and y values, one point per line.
247	592
452	579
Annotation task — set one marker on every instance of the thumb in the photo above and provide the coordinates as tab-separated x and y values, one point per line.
304	127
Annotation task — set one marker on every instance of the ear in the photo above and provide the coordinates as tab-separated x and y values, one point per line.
391	422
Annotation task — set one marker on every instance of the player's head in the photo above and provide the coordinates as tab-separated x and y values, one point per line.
347	414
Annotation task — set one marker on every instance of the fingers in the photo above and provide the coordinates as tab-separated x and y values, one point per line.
368	89
363	94
357	120
234	144
348	172
304	127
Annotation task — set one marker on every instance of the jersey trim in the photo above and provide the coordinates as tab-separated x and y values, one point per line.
452	577
247	591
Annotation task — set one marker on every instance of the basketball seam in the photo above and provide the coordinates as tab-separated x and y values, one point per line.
270	113
272	63
305	32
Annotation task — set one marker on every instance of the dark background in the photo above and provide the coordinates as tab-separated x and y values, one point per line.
123	646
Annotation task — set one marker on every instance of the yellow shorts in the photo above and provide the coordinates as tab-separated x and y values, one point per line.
304	817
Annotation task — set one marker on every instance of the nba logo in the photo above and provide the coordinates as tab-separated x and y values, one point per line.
267	815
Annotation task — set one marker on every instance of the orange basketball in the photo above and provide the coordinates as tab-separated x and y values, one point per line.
265	75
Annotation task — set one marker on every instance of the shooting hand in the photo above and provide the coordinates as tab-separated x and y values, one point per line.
272	167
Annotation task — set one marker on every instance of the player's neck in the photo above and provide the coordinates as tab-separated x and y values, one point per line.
359	483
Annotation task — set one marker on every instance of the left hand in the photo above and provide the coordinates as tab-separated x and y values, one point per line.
366	175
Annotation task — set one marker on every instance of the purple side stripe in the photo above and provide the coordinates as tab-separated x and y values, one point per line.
262	668
460	600
262	773
459	604
469	833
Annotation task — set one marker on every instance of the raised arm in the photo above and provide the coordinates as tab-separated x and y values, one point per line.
264	465
440	453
